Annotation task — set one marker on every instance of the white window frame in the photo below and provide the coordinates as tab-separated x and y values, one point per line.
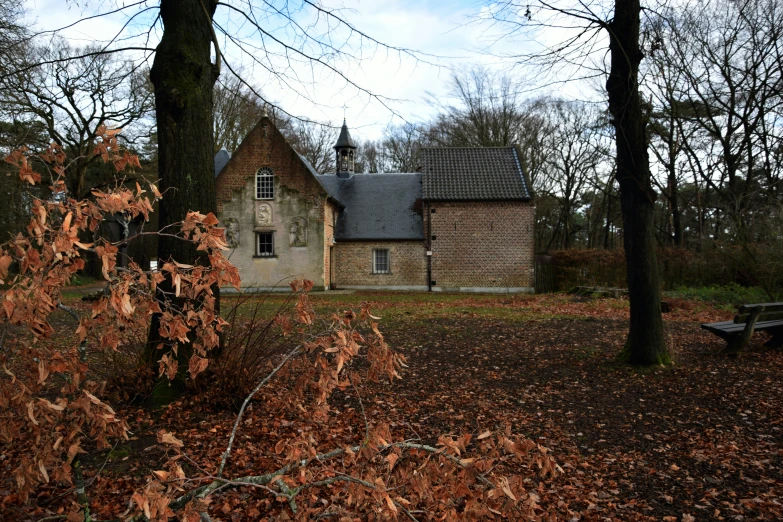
377	268
265	183
271	235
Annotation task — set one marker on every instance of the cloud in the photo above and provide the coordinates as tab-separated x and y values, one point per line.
441	31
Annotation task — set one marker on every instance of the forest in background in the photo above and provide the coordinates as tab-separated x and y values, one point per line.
711	80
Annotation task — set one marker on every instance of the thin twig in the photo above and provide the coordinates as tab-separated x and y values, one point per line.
265	380
364	415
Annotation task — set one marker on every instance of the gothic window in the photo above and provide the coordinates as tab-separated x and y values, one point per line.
265	244
380	261
265	184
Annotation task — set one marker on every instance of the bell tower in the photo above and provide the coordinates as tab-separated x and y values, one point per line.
345	149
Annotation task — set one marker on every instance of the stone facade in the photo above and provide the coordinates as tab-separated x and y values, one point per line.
353	265
478	245
295	216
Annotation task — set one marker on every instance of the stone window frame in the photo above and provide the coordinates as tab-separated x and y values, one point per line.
268	252
265	184
381	268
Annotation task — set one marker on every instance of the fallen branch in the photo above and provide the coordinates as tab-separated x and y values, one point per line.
258	387
220	483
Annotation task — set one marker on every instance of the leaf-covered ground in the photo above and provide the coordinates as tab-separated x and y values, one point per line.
701	440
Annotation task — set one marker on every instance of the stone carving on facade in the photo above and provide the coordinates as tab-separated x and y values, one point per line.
264	215
232	232
297	232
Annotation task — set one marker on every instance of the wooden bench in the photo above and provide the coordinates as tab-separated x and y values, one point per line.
750	318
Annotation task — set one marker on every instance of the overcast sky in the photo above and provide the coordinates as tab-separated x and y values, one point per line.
440	29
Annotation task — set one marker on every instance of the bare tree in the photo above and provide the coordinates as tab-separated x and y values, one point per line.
725	57
483	110
13	34
666	132
397	151
572	154
371	157
402	145
237	110
314	141
73	97
534	129
581	25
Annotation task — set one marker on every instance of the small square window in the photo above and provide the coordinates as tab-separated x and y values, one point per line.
265	244
380	261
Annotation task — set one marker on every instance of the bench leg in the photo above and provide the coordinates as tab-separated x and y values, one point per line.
734	345
738	342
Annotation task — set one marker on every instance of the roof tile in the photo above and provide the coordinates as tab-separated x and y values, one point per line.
473	173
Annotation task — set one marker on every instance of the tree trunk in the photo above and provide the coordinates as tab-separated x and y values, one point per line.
608	229
184	77
645	344
673	186
674	208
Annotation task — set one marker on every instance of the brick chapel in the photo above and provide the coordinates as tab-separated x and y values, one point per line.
463	222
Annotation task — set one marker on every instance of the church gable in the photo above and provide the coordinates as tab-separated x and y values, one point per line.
273	209
265	147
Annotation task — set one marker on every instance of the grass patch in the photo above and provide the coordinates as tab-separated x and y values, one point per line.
118	453
412	308
727	296
82	280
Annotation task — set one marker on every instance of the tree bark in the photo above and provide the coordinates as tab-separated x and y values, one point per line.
645	344
184	78
608	228
674	208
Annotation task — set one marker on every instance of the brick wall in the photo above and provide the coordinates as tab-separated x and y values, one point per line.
353	264
264	146
482	244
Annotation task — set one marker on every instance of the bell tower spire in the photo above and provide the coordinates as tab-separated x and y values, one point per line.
345	148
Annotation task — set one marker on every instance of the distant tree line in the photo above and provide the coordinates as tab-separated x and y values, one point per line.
711	82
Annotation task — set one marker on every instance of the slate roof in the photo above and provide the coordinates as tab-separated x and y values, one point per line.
345	139
377	206
473	174
221	159
329	188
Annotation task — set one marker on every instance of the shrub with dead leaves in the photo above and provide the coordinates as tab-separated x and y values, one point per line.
52	409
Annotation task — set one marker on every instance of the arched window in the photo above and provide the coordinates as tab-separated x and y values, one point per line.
265	184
